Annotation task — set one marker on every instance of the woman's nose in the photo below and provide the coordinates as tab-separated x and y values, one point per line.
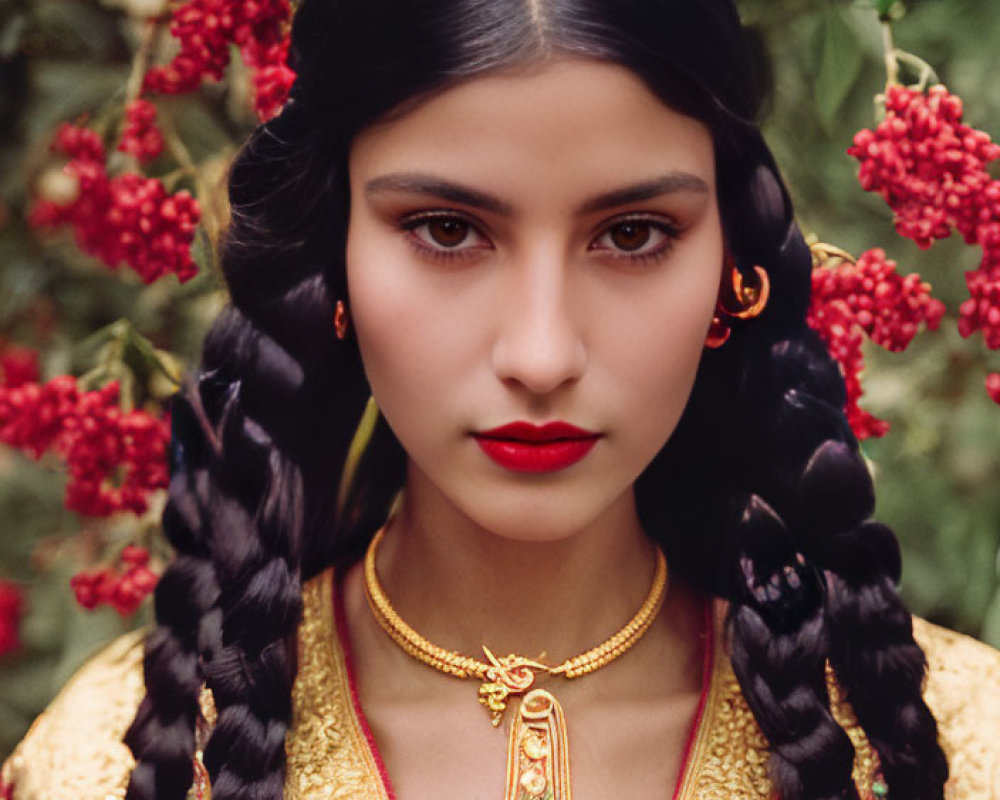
540	342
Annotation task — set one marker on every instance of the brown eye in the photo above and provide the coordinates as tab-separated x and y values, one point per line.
441	235
448	232
637	239
629	236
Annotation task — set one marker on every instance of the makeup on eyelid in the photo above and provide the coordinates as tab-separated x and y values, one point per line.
449	245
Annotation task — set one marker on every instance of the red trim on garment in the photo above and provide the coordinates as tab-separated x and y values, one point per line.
340	617
706	684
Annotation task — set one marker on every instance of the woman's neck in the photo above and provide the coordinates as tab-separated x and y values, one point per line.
462	586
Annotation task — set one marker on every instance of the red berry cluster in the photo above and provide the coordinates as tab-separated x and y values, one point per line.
272	83
79	143
140	136
931	169
11	603
205	30
868	298
928	166
94	437
993	386
18	366
982	310
123	587
126	219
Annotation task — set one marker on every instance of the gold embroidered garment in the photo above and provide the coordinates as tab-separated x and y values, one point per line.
74	750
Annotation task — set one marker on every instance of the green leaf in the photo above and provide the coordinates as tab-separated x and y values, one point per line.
889	10
203	252
840	66
11	35
94	346
991	624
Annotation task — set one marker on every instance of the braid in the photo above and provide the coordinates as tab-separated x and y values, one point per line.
821	490
257	521
870	636
777	624
779	656
777	594
252	491
226	614
877	661
162	735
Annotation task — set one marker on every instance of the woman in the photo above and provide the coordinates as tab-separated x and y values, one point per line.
509	222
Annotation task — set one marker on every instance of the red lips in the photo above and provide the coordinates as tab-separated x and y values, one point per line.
523	447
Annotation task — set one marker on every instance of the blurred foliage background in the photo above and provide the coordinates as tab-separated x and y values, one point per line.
937	470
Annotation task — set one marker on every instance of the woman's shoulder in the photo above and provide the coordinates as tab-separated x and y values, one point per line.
75	749
963	691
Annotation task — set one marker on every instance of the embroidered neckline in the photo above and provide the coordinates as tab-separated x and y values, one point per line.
341	635
332	744
697	733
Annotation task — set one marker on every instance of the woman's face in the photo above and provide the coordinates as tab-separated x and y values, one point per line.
533	247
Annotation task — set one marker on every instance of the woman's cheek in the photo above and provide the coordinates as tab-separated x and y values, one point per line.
410	350
656	369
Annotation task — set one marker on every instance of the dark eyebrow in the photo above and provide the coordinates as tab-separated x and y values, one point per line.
417	183
647	190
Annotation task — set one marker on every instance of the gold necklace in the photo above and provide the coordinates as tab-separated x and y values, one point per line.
538	750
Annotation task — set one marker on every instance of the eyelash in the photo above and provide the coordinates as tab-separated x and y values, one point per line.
410	224
413	222
670	230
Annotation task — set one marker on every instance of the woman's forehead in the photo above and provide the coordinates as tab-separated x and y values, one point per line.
584	124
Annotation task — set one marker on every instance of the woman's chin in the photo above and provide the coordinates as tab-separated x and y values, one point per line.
545	517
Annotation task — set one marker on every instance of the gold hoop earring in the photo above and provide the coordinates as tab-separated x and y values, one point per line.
738	299
748	299
341	321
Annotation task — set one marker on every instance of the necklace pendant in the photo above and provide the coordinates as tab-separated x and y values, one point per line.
538	751
494	697
504	677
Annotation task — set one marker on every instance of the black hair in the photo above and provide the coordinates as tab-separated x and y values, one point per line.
760	496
